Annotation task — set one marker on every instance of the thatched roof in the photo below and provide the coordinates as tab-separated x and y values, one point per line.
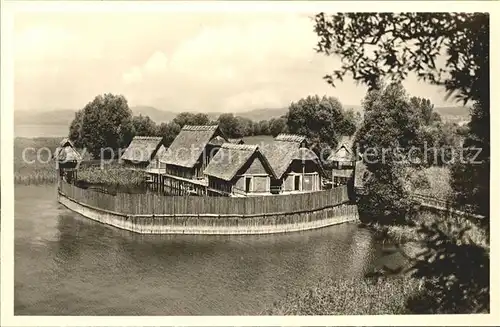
236	141
142	148
66	152
231	158
189	144
359	174
281	154
290	138
218	140
344	150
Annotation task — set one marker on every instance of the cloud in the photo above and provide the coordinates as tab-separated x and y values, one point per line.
134	75
232	65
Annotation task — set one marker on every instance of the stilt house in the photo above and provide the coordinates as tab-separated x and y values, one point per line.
67	158
191	151
239	170
141	151
296	167
343	161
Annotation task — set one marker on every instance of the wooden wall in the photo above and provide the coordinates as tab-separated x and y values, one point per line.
192	205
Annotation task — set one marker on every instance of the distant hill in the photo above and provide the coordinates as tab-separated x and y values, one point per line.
453	111
65	116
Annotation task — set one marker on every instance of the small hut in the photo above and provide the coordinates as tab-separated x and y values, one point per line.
296	167
343	161
67	158
236	141
191	151
239	170
155	161
141	151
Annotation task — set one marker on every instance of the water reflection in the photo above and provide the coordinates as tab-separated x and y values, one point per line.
91	268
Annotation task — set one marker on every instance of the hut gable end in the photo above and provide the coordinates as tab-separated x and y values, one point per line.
236	159
66	152
254	167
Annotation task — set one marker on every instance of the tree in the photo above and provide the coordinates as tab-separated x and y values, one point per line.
75	129
230	125
277	126
168	131
426	110
105	122
390	129
375	46
264	127
144	126
245	126
188	118
321	120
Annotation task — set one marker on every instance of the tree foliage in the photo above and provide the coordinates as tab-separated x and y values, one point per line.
189	118
410	42
391	127
376	46
277	126
143	126
105	122
321	119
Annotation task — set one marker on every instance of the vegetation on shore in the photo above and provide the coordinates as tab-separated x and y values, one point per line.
350	296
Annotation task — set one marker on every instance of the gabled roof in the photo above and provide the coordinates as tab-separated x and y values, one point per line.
290	138
158	155
218	140
344	150
189	144
231	158
142	148
281	154
236	141
66	152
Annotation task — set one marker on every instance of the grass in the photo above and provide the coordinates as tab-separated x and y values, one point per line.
111	175
403	233
350	297
439	181
32	164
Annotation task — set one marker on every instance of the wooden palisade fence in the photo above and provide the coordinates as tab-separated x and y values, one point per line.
151	203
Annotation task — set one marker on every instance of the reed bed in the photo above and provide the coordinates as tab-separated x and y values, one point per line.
350	296
111	175
403	233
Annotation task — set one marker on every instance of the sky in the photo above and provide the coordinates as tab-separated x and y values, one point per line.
224	62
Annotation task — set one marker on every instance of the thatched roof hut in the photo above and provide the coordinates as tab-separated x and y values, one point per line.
236	141
232	158
66	152
291	138
281	154
142	149
344	151
189	145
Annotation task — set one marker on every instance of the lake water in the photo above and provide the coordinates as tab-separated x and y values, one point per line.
66	264
32	131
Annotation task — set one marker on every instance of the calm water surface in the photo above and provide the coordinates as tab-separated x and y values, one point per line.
66	264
